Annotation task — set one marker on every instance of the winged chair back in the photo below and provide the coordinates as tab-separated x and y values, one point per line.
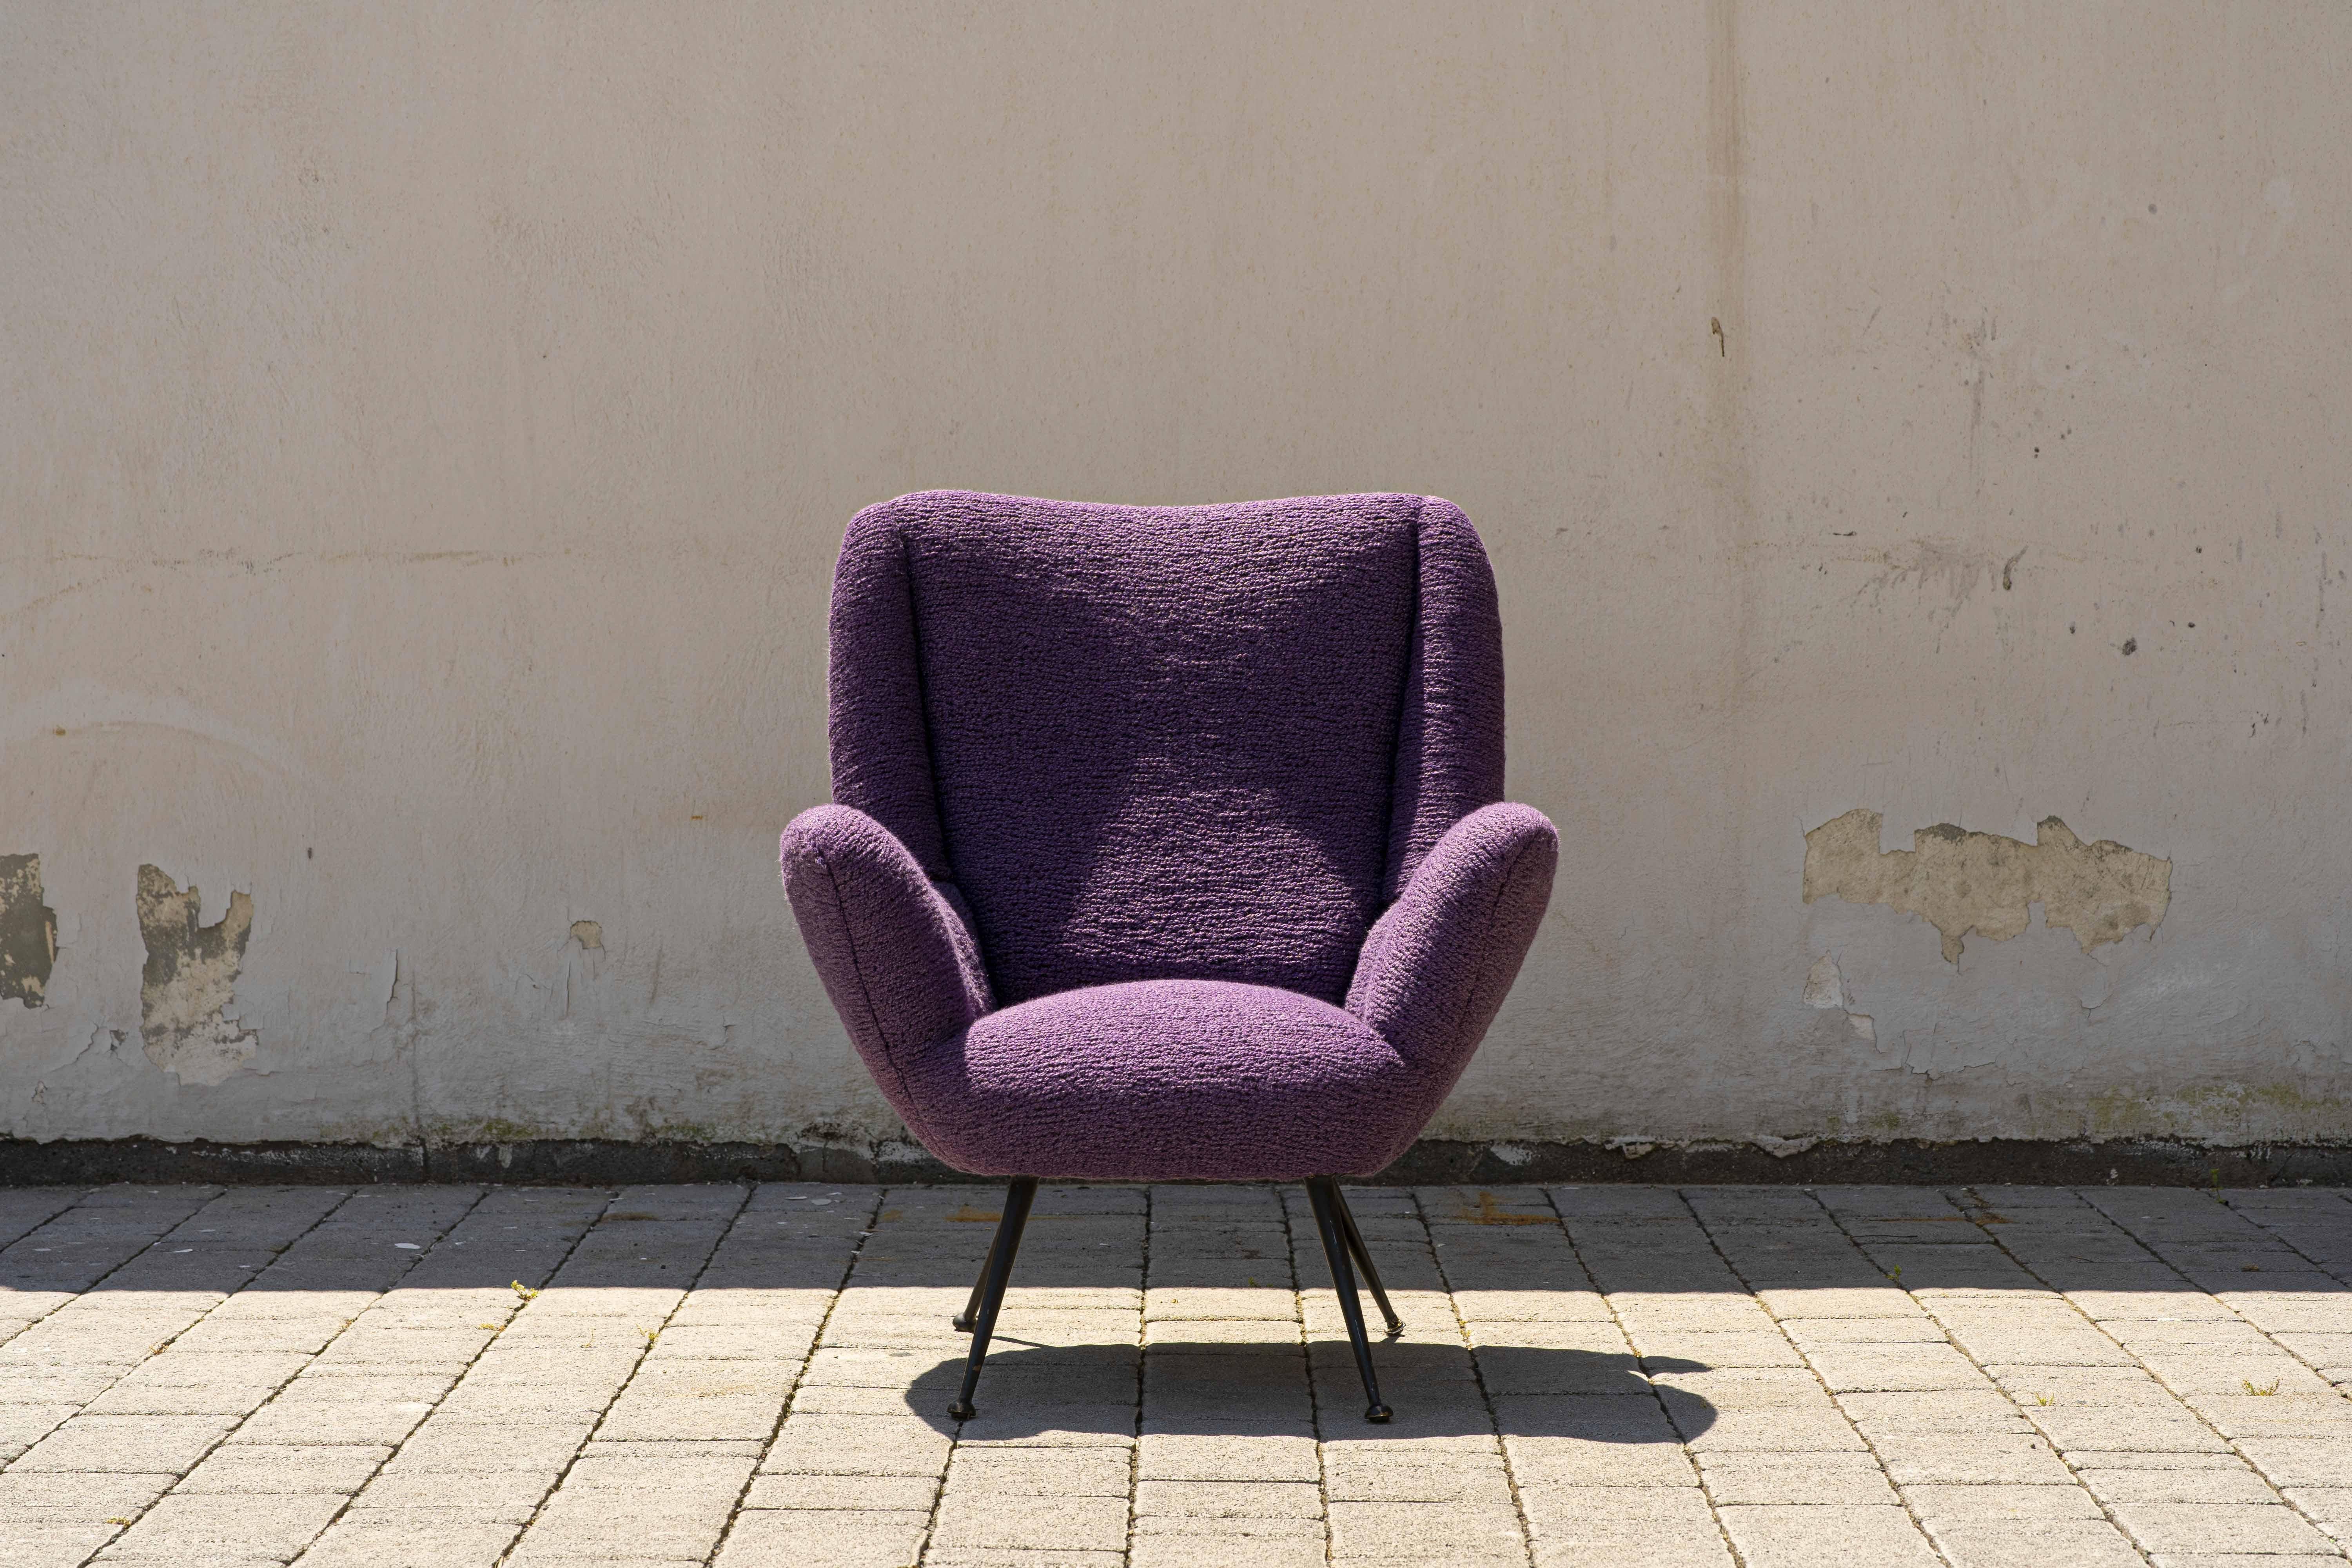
1166	742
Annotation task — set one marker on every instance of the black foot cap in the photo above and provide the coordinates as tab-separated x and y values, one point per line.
1379	1413
962	1411
1395	1327
962	1325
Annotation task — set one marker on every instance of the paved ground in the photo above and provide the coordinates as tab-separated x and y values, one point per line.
1766	1376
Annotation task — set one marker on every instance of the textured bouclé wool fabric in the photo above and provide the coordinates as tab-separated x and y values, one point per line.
1147	777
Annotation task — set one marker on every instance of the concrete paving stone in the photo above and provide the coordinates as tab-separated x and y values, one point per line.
2242	1416
797	1538
2229	1483
858	1444
1546	1461
894	1492
2219	1527
2033	1543
285	1469
1844	1479
614	1522
215	1399
978	1517
1855	1369
1810	1537
420	1540
1000	1557
1208	1303
1948	1410
1182	1456
1436	1477
341	1421
2330	1508
2300	1461
65	1495
1197	1549
1417	1533
1839	1301
373	1387
144	1444
1971	1459
1773	1431
1559	1511
2100	1386
39	1545
1041	1472
1951	1504
468	1447
1229	1499
2142	1429
2241	1560
181	1523
690	1419
1606	1543
837	1400
1607	1420
1006	1422
504	1495
605	1462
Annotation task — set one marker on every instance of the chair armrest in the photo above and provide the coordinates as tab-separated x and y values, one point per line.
1435	968
897	957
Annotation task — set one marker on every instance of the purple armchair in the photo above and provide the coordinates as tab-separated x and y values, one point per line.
1166	842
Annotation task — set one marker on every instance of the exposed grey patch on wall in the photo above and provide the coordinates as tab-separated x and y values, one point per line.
1982	884
189	981
588	933
1825	989
29	931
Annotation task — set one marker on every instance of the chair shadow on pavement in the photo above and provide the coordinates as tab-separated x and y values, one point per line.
1244	1389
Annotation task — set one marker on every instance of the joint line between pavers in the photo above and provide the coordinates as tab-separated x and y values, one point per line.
1478	1373
1868	1447
2154	1376
161	1346
783	1412
1705	1493
742	1200
136	1253
394	1449
222	1441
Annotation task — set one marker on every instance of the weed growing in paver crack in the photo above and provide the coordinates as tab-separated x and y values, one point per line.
2043	1399
113	1520
523	1291
1895	1274
651	1334
2248	1383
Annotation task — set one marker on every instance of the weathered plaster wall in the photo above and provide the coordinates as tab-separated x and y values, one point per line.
425	431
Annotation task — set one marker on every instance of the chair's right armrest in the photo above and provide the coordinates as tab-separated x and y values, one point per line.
903	969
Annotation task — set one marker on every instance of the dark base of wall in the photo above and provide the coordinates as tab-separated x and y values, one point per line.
604	1162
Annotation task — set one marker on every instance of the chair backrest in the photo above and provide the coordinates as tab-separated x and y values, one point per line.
1166	742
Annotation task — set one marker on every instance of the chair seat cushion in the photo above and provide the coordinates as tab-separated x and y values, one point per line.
1165	1081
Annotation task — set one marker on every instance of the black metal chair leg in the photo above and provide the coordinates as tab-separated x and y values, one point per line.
991	1292
1323	1194
963	1320
1364	1260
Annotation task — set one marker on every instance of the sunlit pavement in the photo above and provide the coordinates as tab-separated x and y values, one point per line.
760	1375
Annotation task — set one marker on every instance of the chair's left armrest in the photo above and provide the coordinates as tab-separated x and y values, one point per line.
902	967
1437	965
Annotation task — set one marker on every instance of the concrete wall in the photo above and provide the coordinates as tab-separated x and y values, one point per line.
425	432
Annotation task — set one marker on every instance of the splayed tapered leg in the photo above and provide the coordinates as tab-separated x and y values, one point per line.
1364	1259
1323	1194
990	1293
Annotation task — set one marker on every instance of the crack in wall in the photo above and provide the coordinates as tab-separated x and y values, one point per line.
189	981
1981	884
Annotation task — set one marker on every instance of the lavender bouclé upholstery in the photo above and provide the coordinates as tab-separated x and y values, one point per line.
1166	841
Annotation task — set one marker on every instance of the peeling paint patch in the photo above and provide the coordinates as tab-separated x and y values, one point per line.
1825	989
29	931
588	933
189	981
1982	884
